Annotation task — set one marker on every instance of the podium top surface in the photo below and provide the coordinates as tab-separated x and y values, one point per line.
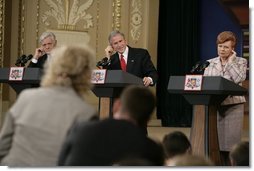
119	78
31	75
210	85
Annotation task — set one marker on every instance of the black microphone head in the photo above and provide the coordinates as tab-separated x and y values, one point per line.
195	67
29	57
20	59
204	65
103	62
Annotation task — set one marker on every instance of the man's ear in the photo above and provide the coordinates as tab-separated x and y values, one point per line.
116	105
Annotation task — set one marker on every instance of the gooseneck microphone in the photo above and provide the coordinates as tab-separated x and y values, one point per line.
195	67
21	61
204	66
199	67
104	62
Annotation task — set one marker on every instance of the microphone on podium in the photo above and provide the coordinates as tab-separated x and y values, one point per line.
104	62
22	60
199	67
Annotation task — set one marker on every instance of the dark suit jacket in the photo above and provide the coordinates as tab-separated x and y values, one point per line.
139	63
40	62
103	143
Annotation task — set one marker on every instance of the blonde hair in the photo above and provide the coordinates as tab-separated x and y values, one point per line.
70	66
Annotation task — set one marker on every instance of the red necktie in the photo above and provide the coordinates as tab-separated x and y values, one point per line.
123	63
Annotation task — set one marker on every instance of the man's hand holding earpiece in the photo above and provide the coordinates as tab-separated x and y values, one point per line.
38	53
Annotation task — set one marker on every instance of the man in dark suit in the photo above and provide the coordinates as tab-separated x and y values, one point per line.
118	139
136	61
42	54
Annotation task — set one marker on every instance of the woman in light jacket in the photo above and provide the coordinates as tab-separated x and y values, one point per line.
36	125
231	110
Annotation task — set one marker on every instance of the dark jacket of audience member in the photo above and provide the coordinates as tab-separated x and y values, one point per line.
108	141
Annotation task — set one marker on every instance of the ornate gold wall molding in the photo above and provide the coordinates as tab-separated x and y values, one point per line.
136	19
37	20
2	18
116	25
97	25
21	37
67	16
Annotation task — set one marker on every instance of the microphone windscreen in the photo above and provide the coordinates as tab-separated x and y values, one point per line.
29	56
195	67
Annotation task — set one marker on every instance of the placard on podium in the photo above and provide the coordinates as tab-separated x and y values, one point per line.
115	82
31	78
204	135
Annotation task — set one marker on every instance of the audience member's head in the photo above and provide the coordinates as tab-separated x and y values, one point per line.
176	143
70	66
191	160
136	104
239	155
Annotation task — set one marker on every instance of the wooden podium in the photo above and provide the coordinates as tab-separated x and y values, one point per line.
204	135
116	81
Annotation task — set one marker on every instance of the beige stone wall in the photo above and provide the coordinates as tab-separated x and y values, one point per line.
138	19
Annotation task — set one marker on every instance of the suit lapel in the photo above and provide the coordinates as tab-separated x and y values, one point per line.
130	60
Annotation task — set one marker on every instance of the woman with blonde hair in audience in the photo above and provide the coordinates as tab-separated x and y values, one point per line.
36	125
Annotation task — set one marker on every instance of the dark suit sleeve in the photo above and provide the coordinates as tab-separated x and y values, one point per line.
148	67
66	147
39	64
66	153
32	65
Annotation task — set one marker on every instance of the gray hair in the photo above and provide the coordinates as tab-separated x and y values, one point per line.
46	35
114	33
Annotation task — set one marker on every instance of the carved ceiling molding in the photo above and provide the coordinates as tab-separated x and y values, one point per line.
136	19
68	15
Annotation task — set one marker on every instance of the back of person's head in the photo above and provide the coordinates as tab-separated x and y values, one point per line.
138	102
191	160
226	36
176	143
239	155
45	35
70	66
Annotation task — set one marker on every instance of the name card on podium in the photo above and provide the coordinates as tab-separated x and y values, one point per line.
98	76
16	73
193	82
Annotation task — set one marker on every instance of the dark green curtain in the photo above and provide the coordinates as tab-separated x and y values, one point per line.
177	53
